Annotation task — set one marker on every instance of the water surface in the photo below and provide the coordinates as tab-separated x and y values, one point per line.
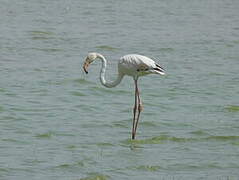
58	123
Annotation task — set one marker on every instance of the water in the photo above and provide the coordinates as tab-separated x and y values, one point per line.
58	123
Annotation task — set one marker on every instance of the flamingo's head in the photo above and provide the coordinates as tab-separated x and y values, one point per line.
89	59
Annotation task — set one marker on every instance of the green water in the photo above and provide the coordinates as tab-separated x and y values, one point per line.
56	123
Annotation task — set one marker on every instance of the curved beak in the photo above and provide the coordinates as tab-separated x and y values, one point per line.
85	66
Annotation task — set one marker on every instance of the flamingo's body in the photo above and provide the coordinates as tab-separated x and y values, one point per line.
137	65
132	65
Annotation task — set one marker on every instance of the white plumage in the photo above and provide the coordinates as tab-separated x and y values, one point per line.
137	65
132	65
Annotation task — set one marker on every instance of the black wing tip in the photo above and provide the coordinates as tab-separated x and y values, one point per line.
160	67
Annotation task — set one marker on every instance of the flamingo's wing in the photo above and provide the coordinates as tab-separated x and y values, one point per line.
135	64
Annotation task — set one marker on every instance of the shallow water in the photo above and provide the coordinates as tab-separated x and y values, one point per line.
58	123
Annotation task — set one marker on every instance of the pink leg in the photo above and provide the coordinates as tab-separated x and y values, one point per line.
135	109
140	108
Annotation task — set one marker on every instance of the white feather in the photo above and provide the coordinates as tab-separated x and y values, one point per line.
137	65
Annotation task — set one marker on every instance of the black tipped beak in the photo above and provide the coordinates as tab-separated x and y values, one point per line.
85	70
85	67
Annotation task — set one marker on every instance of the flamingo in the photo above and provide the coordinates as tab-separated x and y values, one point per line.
133	65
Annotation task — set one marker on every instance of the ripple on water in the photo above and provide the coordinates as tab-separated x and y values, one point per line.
71	147
179	166
107	48
199	133
12	118
122	123
154	140
165	138
46	135
105	144
48	49
236	143
77	93
166	49
148	124
96	89
70	166
4	170
232	108
50	134
222	138
41	32
96	176
1	109
41	35
82	81
15	141
148	168
236	41
2	90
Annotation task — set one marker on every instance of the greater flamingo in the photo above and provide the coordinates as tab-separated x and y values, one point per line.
132	65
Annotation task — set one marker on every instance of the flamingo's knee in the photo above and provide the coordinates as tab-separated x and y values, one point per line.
140	108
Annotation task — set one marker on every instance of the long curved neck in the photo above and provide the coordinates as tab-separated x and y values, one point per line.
102	74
